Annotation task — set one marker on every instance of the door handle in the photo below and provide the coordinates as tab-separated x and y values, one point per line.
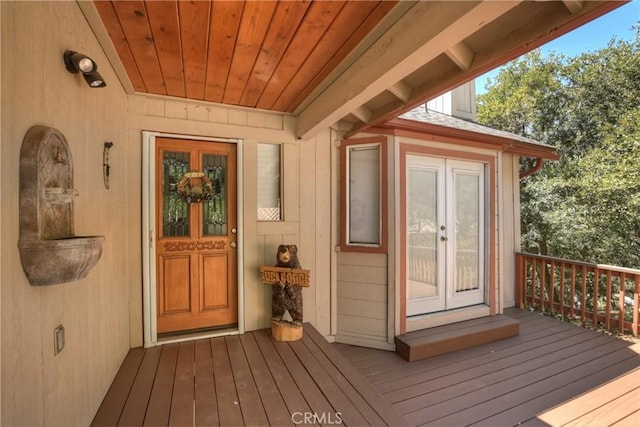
443	238
234	245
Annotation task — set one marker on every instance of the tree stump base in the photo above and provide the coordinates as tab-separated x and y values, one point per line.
285	331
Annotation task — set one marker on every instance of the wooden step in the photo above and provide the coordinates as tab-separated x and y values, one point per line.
456	336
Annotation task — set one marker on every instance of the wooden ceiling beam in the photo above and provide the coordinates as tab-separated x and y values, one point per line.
401	90
574	6
363	114
520	41
405	47
461	55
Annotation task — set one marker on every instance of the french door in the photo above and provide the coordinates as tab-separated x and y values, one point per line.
196	223
444	235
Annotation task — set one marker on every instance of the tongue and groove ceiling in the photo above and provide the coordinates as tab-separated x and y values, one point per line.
356	63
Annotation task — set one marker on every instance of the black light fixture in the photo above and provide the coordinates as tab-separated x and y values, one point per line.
77	62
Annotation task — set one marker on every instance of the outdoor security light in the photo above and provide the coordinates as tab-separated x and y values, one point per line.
77	62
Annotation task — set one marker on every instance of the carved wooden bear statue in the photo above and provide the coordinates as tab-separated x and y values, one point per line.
287	297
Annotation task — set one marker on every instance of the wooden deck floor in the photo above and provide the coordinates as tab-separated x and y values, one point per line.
242	380
553	373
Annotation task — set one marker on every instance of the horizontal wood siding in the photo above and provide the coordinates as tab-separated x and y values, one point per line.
362	297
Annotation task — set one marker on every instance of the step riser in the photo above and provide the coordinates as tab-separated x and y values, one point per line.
412	349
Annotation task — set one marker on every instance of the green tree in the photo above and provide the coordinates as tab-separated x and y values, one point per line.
585	206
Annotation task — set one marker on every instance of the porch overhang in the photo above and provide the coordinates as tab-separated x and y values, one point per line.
356	64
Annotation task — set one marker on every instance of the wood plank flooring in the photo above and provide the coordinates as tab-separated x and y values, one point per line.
243	380
553	373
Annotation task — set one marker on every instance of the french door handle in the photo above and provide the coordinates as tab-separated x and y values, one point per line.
443	238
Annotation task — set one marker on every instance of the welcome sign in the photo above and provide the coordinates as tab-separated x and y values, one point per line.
284	276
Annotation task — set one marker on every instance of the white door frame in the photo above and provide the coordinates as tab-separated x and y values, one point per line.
446	170
149	238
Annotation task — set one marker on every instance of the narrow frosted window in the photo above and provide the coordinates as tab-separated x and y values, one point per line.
364	195
269	182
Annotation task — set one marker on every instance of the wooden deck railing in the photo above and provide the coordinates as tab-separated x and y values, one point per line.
603	295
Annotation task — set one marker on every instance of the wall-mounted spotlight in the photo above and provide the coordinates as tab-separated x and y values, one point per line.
77	62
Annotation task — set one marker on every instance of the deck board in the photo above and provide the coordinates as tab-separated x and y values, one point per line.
226	394
243	380
524	379
183	385
136	407
281	375
159	405
553	373
249	399
620	396
206	406
276	410
116	398
335	395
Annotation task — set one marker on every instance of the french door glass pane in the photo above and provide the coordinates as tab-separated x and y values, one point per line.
364	195
214	211
422	233
467	220
175	211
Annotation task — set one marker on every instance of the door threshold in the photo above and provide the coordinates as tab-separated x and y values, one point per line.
176	337
445	317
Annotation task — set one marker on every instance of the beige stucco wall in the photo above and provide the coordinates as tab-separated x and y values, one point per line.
39	388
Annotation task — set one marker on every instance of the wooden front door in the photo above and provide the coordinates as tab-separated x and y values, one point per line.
196	255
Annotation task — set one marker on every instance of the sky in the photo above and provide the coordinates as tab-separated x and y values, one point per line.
592	36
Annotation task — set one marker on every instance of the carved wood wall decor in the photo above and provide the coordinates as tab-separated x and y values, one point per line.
192	246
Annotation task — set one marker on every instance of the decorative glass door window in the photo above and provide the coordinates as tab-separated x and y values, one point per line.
175	211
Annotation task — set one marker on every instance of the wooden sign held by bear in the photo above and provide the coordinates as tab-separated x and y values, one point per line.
287	279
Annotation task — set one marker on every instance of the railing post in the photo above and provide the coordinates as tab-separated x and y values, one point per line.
621	318
552	286
636	306
596	286
534	266
519	280
583	302
562	274
608	301
573	291
585	275
543	282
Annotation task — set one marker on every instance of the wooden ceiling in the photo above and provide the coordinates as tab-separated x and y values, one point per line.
352	62
259	54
